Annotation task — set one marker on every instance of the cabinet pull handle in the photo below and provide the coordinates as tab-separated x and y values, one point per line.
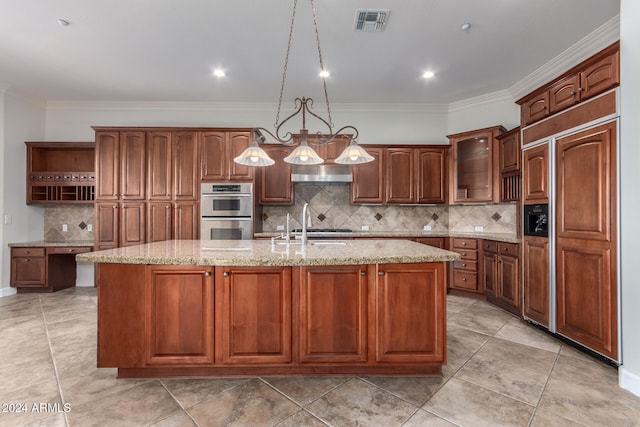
380	273
225	274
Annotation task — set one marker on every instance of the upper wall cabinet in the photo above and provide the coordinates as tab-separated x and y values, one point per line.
597	74
509	163
60	172
474	161
217	151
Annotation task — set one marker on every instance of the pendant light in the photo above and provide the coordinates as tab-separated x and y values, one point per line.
304	154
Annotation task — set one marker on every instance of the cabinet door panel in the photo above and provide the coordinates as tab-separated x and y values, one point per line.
430	175
535	109
564	94
107	225
276	186
368	179
508	273
186	221
586	184
179	316
185	166
489	273
212	156
132	165
107	165
159	158
238	142
536	279
333	315
399	172
253	315
28	271
158	221
410	309
600	76
535	173
132	222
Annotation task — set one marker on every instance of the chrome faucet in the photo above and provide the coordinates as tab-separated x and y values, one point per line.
306	221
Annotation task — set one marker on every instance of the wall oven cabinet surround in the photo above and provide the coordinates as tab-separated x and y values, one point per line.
46	268
474	166
217	151
60	173
594	76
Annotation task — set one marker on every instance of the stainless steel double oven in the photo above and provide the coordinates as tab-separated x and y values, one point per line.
226	211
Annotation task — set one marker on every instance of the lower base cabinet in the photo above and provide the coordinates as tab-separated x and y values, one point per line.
501	275
44	269
201	321
535	279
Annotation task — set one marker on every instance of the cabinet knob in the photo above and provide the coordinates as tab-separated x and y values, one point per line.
225	274
363	273
380	273
463	254
464	279
464	265
70	250
505	249
207	274
464	243
573	93
580	89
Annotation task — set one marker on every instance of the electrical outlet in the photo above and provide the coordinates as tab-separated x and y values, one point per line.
65	228
89	228
479	229
365	228
279	227
426	228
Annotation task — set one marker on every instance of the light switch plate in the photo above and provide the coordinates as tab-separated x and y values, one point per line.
65	228
279	227
89	228
426	228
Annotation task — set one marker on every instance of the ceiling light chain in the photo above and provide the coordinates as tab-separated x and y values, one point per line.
303	154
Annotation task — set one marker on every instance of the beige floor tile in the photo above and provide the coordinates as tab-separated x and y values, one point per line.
190	392
26	374
544	418
95	385
25	398
301	418
461	345
57	420
304	390
466	404
179	419
358	400
142	405
480	319
531	358
518	331
252	403
423	418
416	390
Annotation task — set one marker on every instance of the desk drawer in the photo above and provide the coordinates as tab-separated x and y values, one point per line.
27	252
68	250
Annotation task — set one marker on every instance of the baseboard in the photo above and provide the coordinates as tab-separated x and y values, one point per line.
84	285
629	381
5	292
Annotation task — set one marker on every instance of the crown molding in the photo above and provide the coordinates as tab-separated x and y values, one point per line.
603	36
478	101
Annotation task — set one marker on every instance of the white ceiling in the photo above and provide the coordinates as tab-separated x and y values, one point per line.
165	50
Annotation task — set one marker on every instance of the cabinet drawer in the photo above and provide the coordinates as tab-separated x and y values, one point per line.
68	250
468	254
27	252
489	246
464	243
510	249
466	265
465	280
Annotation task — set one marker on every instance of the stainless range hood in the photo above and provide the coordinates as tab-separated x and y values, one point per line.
321	173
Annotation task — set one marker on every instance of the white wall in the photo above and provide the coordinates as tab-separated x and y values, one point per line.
629	373
23	121
395	124
488	110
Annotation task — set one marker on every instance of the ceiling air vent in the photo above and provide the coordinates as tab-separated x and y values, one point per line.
371	20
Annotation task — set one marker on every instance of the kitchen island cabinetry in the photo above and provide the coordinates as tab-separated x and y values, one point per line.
344	309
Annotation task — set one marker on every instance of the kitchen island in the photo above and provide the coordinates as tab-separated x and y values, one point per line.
261	307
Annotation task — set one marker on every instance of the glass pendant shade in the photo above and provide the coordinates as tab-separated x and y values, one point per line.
354	155
303	155
254	156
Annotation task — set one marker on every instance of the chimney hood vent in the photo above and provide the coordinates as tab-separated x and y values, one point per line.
321	173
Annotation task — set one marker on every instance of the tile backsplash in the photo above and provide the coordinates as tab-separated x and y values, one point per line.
77	219
330	208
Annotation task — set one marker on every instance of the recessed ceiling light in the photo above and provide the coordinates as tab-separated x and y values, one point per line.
324	74
428	74
63	22
465	27
219	73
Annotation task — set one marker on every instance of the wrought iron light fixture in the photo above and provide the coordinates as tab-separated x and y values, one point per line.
304	154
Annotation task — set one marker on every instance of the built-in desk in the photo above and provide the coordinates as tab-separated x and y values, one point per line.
45	266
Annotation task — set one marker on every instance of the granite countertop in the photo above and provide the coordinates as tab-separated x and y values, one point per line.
257	253
500	237
50	244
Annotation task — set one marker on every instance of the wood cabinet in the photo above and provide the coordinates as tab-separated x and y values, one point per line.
586	248
415	175
120	165
179	316
331	150
274	182
501	275
464	273
253	315
60	173
368	178
474	166
436	242
592	77
535	175
509	163
119	224
217	151
535	279
44	268
404	334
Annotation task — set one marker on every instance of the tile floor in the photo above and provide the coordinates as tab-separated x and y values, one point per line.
501	372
